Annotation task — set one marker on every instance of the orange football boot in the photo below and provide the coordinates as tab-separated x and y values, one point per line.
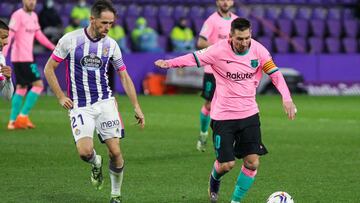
23	122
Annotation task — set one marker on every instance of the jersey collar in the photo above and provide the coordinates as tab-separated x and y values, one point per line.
88	36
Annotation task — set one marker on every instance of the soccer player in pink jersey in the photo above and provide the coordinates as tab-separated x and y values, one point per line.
215	28
6	86
237	65
88	53
24	28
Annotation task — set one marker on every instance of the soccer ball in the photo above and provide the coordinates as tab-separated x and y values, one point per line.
280	197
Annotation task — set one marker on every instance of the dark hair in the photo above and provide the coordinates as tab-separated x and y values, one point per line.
240	24
3	25
100	6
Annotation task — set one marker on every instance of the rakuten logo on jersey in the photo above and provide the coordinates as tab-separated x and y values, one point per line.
239	76
110	124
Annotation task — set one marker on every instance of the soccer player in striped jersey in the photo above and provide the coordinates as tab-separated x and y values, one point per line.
216	27
237	65
24	28
6	86
87	53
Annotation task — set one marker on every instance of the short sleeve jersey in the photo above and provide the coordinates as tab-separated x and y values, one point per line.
87	63
24	25
216	28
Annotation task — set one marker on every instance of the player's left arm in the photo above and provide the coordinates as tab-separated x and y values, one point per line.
278	80
118	64
131	93
39	35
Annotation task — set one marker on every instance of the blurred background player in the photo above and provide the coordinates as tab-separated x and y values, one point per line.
91	103
237	65
216	27
6	86
24	27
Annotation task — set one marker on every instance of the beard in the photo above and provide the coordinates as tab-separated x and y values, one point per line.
97	33
29	8
225	10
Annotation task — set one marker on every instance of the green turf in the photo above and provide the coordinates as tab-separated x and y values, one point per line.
314	158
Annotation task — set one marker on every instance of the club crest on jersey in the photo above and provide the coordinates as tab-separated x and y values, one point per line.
105	52
254	63
91	62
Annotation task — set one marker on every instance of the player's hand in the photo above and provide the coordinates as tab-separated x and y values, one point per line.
5	71
290	109
161	63
139	117
66	102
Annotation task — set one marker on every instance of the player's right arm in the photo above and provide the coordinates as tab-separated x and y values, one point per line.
198	58
204	35
202	43
14	25
53	82
59	54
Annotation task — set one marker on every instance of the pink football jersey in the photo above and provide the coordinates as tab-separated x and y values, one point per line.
216	28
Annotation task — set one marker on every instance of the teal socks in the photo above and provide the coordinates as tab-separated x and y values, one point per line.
16	103
30	101
243	184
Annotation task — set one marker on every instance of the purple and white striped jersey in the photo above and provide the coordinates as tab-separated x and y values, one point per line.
87	63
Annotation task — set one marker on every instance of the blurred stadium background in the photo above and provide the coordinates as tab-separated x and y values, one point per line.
315	158
317	38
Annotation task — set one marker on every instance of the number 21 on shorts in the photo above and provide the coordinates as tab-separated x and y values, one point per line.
76	120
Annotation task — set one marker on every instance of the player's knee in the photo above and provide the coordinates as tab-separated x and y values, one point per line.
252	164
86	154
227	166
114	154
38	83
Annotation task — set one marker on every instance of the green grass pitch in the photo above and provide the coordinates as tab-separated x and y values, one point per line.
315	158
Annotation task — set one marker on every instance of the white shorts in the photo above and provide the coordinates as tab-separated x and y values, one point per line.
103	115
